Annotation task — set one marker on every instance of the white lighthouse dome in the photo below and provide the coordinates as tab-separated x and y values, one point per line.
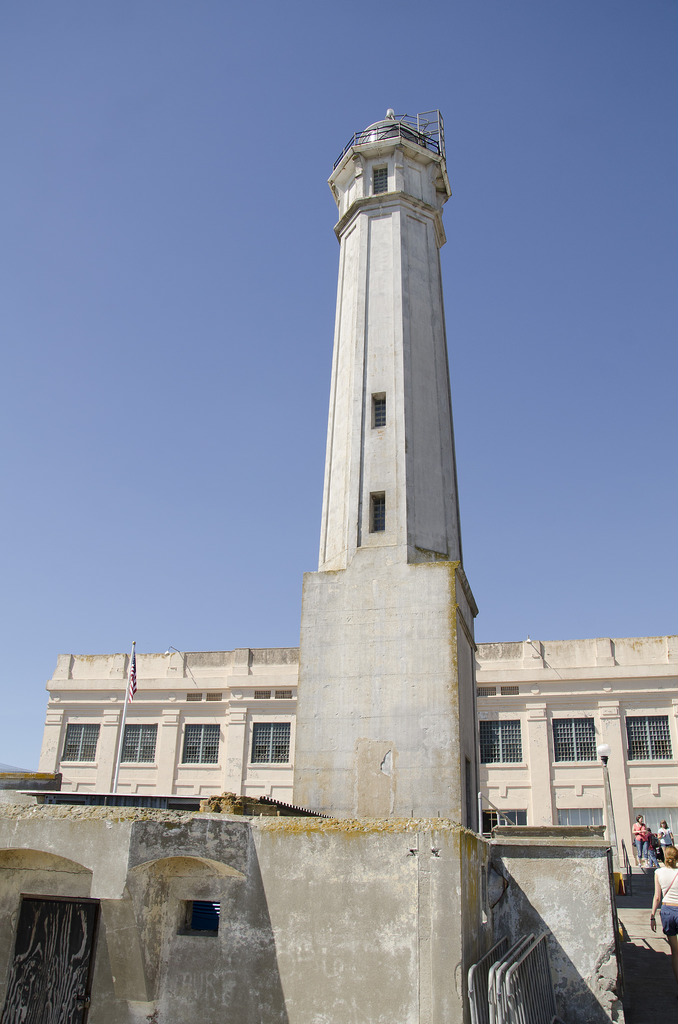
390	128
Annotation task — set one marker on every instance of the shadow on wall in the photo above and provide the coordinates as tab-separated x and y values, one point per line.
232	974
147	956
576	914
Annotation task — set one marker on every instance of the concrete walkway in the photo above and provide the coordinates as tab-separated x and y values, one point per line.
650	989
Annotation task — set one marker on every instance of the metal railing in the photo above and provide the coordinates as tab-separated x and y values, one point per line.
424	130
507	819
628	871
519	987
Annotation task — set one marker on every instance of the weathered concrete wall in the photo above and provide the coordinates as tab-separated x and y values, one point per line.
384	699
363	922
561	885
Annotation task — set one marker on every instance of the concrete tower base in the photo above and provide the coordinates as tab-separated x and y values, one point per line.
387	694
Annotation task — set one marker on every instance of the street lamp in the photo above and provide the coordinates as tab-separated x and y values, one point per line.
604	752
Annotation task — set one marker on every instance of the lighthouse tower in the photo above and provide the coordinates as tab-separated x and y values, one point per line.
386	702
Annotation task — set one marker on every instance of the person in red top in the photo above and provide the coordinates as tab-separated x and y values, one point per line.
641	835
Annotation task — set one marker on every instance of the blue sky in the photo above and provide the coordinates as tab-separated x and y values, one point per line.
168	285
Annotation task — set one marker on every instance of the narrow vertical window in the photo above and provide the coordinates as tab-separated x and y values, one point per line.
380	180
378	410
377	512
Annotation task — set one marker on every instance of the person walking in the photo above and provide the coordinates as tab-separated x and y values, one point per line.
666	894
641	835
652	847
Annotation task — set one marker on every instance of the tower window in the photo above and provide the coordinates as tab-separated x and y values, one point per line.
377	512
380	180
378	410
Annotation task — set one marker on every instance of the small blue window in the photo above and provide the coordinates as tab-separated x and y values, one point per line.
204	916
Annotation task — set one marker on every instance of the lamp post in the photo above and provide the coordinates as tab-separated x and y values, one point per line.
603	753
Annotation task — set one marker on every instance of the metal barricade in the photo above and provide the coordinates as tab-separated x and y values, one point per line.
496	996
477	982
528	987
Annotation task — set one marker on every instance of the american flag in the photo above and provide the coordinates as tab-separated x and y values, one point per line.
132	688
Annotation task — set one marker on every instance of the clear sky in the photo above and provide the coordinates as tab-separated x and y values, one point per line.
167	308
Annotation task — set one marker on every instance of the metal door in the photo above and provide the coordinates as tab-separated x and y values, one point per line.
50	976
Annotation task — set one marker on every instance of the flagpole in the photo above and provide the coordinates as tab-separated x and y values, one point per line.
128	698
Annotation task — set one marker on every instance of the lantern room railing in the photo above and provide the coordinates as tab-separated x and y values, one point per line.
425	130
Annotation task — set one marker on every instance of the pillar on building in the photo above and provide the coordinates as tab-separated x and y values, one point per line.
107	749
539	759
236	747
386	700
611	732
166	753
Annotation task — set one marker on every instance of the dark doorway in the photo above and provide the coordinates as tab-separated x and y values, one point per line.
51	974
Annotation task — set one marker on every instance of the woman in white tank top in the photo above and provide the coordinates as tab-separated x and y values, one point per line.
666	893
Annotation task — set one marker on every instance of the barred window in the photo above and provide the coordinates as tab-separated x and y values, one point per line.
648	738
262	694
510	691
574	739
201	744
139	743
378	410
380	179
500	742
283	694
377	512
81	743
271	743
213	695
193	696
486	691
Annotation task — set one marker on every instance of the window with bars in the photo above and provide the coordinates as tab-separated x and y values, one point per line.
378	410
500	742
201	744
580	816
510	691
283	694
380	180
81	743
213	695
486	691
574	739
194	696
271	743
648	738
377	512
139	743
262	694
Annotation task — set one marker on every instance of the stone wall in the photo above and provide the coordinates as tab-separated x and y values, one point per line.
558	881
363	922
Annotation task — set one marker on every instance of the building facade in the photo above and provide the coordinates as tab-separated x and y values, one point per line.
544	708
212	722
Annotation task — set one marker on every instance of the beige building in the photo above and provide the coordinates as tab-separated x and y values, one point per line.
212	722
200	723
543	709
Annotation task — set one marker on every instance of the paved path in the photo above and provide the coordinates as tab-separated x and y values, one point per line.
651	993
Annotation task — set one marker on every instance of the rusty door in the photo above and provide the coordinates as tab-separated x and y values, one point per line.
51	974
